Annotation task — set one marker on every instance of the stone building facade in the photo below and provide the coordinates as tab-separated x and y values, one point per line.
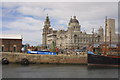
10	43
73	37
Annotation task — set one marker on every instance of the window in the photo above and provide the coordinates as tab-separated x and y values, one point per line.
2	48
74	40
14	48
78	41
75	36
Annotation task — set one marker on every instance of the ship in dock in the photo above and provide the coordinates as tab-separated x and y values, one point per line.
103	60
104	54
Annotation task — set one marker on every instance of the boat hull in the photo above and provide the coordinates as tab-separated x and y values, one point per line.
102	60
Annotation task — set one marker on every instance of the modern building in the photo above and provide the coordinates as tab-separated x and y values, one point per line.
72	38
110	31
10	43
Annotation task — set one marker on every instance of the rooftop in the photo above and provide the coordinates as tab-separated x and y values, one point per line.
10	36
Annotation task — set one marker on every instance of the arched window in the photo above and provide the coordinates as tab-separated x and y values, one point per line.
14	48
2	48
75	36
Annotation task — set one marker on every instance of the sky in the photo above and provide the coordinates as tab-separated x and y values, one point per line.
27	18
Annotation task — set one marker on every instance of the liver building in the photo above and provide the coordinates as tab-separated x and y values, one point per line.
72	38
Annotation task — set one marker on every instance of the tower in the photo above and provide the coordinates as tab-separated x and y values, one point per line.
100	31
110	27
45	30
110	30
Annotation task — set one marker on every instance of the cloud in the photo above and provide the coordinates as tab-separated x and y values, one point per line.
27	18
34	11
25	23
28	27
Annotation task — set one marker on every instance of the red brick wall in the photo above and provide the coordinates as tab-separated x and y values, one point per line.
9	44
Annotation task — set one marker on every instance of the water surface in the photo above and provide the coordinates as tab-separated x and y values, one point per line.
57	71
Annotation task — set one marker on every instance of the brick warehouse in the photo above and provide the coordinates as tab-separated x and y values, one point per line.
10	43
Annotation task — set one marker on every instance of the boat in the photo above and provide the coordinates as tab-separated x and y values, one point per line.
42	52
104	54
103	60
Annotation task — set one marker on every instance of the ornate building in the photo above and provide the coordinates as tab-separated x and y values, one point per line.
73	37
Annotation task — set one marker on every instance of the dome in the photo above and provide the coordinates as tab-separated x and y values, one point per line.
100	28
84	32
74	20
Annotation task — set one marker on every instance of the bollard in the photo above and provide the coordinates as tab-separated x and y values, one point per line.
5	61
24	61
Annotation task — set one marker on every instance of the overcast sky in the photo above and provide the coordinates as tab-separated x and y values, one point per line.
27	18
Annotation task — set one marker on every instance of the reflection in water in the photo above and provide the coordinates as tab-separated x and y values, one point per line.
57	71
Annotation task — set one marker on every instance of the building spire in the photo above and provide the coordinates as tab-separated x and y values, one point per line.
47	20
71	18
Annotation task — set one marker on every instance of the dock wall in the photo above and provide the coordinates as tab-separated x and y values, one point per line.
37	58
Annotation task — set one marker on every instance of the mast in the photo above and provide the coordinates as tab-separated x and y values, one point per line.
105	35
110	40
93	38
